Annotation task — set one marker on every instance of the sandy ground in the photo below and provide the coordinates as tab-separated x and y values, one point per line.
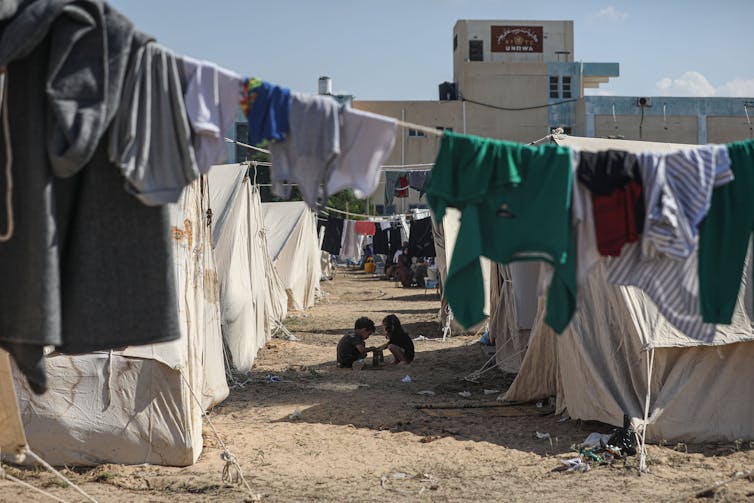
328	434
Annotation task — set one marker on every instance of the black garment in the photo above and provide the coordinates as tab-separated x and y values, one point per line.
333	235
380	242
395	241
402	340
605	172
421	241
417	180
347	351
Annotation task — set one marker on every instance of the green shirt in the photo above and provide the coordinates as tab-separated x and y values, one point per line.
515	203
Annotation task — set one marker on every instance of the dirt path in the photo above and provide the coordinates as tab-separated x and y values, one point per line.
326	434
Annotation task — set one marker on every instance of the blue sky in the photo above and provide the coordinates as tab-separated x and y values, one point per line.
402	49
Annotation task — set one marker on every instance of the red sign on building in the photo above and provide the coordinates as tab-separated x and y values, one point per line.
517	39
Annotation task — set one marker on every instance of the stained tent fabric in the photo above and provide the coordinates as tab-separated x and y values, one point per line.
80	420
12	436
291	230
252	296
618	350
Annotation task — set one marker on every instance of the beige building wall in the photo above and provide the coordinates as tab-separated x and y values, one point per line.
674	129
728	129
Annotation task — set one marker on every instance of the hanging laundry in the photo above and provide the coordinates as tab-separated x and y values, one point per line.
83	82
681	197
381	242
417	180
385	225
391	182
91	266
672	282
352	242
402	189
724	237
614	179
515	205
421	242
150	139
365	228
267	109
211	94
306	157
333	235
366	141
582	214
396	240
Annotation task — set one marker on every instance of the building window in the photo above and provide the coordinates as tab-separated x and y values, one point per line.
415	132
455	42
476	50
443	128
554	88
566	86
379	209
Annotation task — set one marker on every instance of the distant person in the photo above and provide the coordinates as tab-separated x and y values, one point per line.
399	343
351	347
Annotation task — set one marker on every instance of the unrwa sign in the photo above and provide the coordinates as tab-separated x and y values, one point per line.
517	39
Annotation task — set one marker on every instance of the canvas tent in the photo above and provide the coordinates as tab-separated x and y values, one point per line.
138	405
252	296
619	355
293	243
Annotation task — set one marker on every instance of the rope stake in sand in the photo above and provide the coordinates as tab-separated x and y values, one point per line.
62	477
232	472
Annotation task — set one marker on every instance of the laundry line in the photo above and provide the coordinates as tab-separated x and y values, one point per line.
426	166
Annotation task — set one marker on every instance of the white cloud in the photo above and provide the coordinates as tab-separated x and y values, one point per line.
610	13
694	83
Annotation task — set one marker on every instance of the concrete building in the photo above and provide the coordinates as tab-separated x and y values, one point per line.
517	80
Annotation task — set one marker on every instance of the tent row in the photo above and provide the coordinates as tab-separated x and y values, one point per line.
620	356
239	268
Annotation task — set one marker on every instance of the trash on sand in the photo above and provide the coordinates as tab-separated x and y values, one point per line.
491	391
426	392
362	385
295	414
465	394
575	465
420	338
272	378
540	405
542	436
594	440
407	378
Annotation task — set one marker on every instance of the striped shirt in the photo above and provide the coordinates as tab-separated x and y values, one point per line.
678	194
678	190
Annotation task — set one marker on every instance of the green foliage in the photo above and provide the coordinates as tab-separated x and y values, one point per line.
346	201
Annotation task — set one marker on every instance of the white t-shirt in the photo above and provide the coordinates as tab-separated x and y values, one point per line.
212	95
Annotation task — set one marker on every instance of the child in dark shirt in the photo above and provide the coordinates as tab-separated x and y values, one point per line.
399	343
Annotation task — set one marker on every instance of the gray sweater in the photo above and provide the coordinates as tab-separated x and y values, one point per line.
89	267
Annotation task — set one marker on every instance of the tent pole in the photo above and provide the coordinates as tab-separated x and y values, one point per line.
643	436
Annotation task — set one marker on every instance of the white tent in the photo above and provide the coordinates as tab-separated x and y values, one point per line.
252	295
140	405
619	355
291	230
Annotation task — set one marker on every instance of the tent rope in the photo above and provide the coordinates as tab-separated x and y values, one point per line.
643	435
7	476
8	156
232	472
446	330
62	477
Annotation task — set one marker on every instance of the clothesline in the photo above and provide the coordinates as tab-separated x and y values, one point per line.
385	167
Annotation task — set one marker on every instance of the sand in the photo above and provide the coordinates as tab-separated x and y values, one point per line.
328	434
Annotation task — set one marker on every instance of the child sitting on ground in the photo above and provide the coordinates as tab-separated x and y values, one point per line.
399	343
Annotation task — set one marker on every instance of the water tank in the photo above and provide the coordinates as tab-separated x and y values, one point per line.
325	85
448	91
